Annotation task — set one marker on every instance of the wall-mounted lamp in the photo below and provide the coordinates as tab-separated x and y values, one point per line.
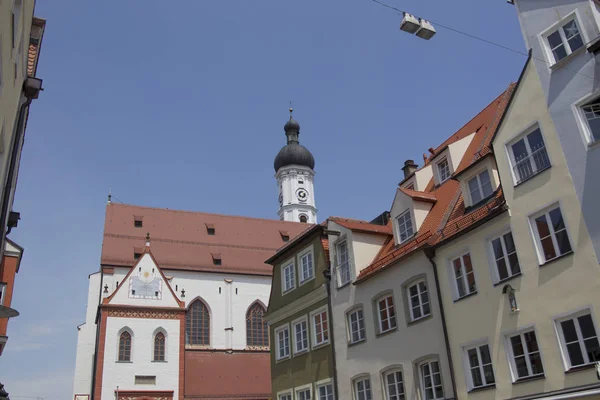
512	300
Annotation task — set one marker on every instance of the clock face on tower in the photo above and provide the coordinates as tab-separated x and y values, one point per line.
302	195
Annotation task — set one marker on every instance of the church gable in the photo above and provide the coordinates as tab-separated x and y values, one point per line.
144	285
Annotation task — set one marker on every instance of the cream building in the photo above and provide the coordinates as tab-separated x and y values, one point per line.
521	287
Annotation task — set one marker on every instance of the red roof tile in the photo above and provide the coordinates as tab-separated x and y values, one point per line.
217	375
180	239
421	196
362	226
447	215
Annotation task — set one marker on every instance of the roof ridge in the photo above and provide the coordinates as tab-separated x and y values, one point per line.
205	213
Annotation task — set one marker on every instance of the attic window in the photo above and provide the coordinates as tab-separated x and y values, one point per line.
443	170
210	229
411	186
216	258
137	222
301	181
136	255
285	236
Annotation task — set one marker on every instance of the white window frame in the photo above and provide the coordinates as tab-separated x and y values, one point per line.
536	236
467	365
581	118
422	378
304	388
284	327
295	323
410	221
480	186
355	383
409	304
324	383
557	26
3	287
349	325
291	265
387	308
313	326
439	172
511	356
338	245
454	279
308	251
561	339
512	163
384	376
492	256
283	395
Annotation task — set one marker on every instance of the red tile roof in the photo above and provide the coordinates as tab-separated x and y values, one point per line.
180	239
216	375
362	226
448	216
421	196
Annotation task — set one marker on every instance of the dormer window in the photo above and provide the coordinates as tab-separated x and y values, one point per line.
210	229
216	258
405	227
480	187
443	170
137	222
411	186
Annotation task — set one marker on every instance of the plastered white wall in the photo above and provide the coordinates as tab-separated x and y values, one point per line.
288	180
365	248
457	150
422	177
123	374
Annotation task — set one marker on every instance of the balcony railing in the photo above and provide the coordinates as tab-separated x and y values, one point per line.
532	164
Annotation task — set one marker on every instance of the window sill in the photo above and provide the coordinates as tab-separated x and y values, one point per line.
530	378
501	281
318	346
299	353
580	368
533	175
159	361
565	60
124	362
466	296
422	319
288	291
556	259
196	346
593	144
352	344
481	388
282	359
344	285
312	278
379	334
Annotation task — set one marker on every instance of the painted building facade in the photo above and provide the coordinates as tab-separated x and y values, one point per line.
20	41
564	37
302	353
204	299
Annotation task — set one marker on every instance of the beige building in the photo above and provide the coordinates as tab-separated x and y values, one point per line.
522	286
20	41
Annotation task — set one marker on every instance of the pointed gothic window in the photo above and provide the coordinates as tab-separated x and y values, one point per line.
257	332
125	346
197	324
159	347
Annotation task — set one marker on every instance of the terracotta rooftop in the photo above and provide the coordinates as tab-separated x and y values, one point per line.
362	226
448	216
181	240
212	375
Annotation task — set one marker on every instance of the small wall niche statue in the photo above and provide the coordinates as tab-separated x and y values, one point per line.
512	300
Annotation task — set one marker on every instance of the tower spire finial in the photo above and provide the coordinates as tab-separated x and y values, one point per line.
291	110
148	239
109	194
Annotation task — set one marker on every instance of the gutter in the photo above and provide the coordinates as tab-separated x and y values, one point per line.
98	311
327	274
430	254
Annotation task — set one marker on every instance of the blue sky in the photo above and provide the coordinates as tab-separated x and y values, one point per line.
182	105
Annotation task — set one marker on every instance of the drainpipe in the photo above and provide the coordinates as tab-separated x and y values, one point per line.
98	321
430	254
31	90
327	275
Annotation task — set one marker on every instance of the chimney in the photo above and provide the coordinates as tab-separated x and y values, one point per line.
409	168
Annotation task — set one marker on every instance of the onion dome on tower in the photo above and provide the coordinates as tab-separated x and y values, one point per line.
293	153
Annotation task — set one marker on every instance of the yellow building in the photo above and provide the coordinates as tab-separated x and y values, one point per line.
521	288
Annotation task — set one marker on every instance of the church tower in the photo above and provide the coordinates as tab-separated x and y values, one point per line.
294	171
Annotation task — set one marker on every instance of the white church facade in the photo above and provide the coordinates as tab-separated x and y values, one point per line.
176	309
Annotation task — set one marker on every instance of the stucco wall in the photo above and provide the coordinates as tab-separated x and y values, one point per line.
123	374
227	307
379	352
365	248
564	86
